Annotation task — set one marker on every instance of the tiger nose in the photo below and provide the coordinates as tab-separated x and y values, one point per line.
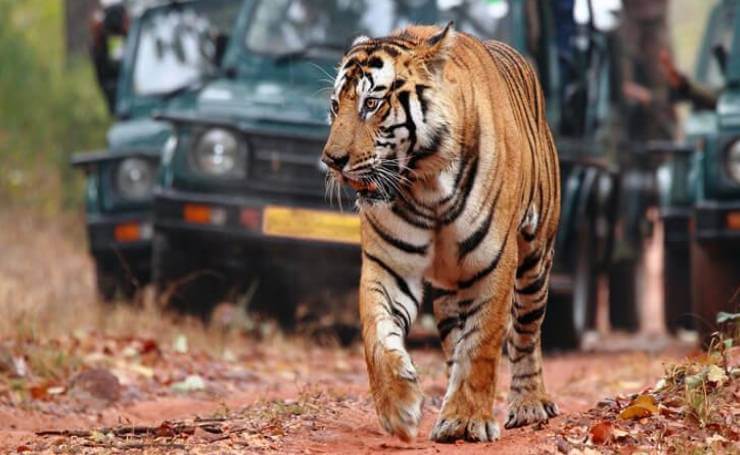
335	162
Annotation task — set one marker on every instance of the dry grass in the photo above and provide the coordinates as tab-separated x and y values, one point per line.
47	292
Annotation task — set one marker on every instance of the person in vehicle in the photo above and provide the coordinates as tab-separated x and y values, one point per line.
106	25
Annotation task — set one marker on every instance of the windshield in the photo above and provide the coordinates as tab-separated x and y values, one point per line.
177	45
283	26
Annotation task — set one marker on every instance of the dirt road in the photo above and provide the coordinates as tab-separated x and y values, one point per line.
160	385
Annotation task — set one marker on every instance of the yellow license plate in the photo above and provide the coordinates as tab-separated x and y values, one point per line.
311	224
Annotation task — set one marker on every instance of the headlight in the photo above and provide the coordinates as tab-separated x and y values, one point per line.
218	152
135	178
732	161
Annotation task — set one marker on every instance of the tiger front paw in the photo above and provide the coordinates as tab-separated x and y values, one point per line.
398	397
529	409
475	429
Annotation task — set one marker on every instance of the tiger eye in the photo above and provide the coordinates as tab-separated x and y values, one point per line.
334	106
371	103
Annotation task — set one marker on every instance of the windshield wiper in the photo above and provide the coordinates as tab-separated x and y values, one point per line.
306	50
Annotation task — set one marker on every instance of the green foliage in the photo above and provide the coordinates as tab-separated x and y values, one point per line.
49	107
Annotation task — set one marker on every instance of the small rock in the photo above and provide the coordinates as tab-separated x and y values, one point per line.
98	387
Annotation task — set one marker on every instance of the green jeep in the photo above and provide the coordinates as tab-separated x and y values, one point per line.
168	51
700	186
241	198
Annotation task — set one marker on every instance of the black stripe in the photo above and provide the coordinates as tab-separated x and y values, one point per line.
518	377
397	243
523	331
535	286
462	198
458	178
532	316
525	350
464	284
403	319
375	62
416	221
400	282
420	96
398	83
528	263
473	311
472	242
426	151
404	99
447	325
467	334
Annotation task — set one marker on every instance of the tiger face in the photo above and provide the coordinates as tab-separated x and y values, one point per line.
388	129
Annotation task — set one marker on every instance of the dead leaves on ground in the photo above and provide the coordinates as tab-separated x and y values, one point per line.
90	370
259	427
694	408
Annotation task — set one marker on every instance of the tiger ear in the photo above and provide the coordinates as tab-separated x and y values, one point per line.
360	40
435	49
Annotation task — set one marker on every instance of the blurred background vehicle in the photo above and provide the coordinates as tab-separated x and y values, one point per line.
145	59
699	182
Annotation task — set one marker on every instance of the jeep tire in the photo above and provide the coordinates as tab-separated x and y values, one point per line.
182	278
715	280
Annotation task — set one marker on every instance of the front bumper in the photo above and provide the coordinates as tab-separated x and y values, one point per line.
235	228
128	233
714	220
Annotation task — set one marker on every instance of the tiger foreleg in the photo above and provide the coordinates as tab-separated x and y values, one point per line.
393	379
475	347
528	401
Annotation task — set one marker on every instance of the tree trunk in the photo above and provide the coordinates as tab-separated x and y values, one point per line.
77	15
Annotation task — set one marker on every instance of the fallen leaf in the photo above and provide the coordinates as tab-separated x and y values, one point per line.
601	433
39	392
181	344
619	434
165	430
190	384
716	375
640	407
714	438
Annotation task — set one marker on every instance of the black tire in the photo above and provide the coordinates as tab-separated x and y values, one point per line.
106	279
182	279
624	294
569	317
677	286
715	280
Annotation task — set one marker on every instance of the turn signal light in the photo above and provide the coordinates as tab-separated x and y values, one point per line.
204	214
127	232
733	220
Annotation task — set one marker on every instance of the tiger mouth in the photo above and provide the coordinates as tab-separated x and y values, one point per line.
367	190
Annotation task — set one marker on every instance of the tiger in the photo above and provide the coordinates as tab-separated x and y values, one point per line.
444	139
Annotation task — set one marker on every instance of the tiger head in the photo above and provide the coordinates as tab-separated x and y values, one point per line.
389	118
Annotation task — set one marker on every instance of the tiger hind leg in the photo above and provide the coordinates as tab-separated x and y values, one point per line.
528	401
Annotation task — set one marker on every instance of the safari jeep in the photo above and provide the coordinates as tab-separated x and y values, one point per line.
700	187
241	205
168	51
